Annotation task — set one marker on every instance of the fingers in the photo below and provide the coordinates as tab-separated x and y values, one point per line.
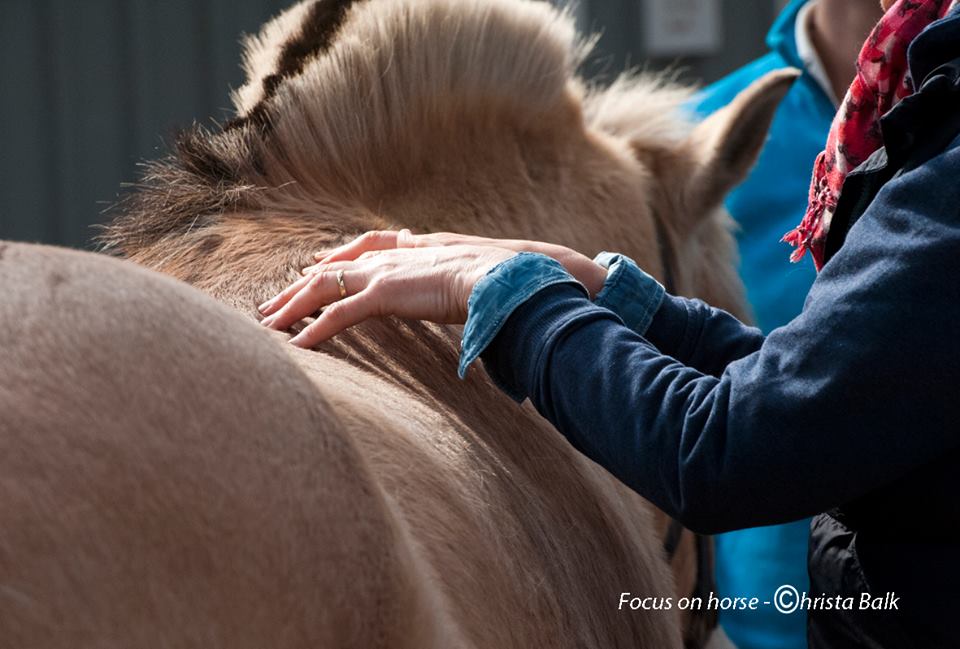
320	290
270	306
427	283
373	240
334	319
370	243
406	239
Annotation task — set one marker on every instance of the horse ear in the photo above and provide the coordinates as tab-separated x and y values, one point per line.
725	146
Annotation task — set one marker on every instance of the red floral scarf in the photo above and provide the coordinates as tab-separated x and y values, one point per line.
882	80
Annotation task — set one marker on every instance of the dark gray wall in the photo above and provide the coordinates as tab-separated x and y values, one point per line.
619	22
89	87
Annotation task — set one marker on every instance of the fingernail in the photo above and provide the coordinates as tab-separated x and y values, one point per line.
296	340
319	255
308	269
266	322
266	306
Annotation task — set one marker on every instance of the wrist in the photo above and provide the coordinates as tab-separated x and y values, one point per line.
500	291
486	263
589	273
594	277
628	291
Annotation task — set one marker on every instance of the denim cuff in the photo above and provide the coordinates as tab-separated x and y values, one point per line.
498	294
629	292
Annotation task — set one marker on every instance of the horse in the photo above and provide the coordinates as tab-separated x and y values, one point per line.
175	475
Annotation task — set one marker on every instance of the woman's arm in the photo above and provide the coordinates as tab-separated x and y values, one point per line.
690	331
856	392
701	336
814	419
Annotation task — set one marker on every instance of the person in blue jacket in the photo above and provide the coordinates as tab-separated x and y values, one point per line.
822	39
848	412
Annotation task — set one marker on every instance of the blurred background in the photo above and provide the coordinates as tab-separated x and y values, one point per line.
91	87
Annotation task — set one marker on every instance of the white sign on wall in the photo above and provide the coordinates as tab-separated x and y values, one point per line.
682	27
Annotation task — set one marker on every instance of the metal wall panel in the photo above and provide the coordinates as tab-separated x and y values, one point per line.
90	87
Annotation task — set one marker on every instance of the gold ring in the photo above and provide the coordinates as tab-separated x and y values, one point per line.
343	287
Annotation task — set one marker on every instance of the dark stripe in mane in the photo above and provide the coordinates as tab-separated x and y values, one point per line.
317	32
210	173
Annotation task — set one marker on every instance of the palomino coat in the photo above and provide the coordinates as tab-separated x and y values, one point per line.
849	409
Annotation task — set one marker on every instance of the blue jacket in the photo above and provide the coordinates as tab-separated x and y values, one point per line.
849	409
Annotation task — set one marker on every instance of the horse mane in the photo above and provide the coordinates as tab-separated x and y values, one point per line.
344	98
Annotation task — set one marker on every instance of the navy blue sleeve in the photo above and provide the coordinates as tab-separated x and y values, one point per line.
701	336
697	335
854	393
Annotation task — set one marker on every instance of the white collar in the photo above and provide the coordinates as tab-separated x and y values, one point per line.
808	53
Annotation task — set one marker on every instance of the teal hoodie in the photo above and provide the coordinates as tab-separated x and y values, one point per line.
772	200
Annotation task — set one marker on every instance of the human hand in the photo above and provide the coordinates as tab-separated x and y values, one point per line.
418	283
588	273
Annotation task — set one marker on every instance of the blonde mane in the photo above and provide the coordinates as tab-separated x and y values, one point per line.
345	102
